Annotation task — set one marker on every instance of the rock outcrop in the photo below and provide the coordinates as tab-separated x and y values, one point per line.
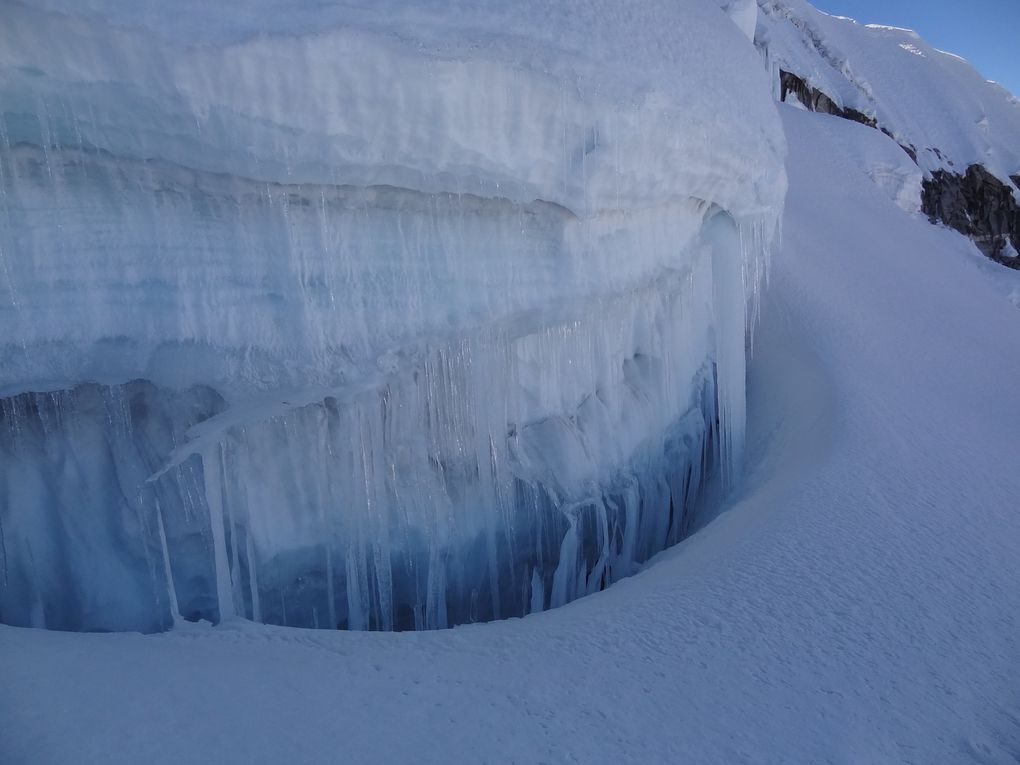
818	101
978	205
960	130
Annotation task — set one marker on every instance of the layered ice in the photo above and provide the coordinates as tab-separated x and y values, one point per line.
386	316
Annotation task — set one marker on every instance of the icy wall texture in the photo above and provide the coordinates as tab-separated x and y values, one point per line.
385	316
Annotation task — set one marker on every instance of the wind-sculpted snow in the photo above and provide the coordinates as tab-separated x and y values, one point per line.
382	316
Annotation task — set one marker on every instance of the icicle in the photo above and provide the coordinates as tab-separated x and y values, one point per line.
537	593
212	470
564	579
253	582
729	301
171	590
38	618
356	616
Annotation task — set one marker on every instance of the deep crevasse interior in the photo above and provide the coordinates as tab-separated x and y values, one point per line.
450	384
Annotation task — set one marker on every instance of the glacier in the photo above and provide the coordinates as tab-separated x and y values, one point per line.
275	354
386	316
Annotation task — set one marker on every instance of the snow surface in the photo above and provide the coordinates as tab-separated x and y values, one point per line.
857	603
744	14
927	98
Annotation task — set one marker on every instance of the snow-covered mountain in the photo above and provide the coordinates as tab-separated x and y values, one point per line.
403	315
961	130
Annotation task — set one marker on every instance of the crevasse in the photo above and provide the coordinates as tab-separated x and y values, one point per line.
416	320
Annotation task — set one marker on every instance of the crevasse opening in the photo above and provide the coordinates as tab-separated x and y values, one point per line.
469	476
505	471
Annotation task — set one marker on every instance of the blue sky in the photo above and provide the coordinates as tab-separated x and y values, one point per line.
985	32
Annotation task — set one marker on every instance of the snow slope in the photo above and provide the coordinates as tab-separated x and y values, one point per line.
930	100
857	603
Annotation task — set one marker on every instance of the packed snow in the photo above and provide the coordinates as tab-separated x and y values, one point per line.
248	150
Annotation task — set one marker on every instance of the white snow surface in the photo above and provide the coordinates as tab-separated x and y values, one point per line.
288	91
927	98
856	603
744	14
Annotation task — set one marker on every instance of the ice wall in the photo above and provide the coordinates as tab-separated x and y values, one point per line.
387	316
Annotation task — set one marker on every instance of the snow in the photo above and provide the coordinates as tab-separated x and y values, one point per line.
927	99
744	14
391	315
855	603
258	119
885	163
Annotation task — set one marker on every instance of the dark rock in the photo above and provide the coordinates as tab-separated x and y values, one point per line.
818	101
976	204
